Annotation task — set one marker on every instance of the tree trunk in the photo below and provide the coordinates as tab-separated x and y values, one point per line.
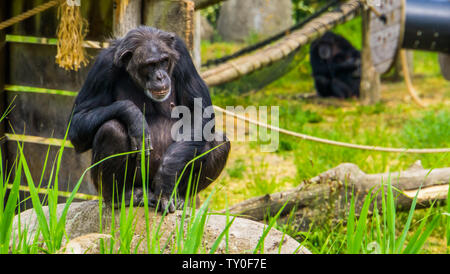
127	16
3	16
327	196
196	51
370	78
172	15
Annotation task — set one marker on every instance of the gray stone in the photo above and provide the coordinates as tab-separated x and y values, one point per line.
239	19
206	29
83	223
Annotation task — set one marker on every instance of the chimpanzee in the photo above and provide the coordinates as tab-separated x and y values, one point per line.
336	66
127	102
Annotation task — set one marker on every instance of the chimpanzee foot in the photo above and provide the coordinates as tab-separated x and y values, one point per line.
164	204
135	195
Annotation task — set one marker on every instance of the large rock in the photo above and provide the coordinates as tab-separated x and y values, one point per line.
206	29
83	223
239	19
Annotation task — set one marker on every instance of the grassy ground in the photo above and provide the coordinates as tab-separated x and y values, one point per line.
394	122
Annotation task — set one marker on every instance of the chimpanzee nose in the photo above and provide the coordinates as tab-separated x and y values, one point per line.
159	76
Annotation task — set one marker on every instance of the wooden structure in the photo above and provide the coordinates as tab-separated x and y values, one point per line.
38	88
385	35
43	93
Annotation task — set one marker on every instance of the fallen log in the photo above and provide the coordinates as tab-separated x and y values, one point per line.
327	196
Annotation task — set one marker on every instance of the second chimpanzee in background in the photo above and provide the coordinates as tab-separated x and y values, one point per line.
336	66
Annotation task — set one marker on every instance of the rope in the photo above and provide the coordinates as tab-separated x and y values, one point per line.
331	142
407	76
29	14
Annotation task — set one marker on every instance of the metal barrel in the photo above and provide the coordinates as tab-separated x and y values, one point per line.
427	25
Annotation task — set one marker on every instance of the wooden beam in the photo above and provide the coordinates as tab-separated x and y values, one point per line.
3	65
127	16
38	140
370	78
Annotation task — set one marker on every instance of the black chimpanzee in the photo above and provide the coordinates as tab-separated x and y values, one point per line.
336	66
129	96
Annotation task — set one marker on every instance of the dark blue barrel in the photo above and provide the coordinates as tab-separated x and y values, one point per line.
427	25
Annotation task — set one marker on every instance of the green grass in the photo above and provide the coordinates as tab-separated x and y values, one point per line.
377	228
187	236
393	122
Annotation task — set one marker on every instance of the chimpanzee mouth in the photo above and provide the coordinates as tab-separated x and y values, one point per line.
160	95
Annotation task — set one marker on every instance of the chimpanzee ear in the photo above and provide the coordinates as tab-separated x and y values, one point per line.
121	58
169	38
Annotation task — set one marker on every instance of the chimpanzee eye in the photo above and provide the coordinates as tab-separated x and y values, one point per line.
165	63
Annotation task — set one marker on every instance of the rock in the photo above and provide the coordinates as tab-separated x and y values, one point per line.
87	244
83	223
206	29
239	19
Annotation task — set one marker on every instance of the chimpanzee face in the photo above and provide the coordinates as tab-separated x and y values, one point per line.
150	68
149	59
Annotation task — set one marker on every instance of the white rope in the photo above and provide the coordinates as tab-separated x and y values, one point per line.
331	142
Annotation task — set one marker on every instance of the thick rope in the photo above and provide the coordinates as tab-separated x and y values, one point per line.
334	143
29	13
407	76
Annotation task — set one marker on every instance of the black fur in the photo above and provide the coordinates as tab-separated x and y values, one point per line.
338	74
112	112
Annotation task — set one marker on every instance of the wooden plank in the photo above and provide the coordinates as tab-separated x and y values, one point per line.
38	140
51	41
97	13
72	167
34	65
3	66
127	16
36	114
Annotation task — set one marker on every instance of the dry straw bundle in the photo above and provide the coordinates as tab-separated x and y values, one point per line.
72	31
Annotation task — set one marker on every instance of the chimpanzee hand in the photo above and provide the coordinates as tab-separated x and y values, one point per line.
136	132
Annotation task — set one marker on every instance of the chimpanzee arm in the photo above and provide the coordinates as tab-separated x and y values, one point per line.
94	106
86	122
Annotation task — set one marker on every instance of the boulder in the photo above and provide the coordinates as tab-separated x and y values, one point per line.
83	230
206	29
239	19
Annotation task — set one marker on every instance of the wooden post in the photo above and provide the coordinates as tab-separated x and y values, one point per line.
370	78
3	60
196	52
127	16
172	15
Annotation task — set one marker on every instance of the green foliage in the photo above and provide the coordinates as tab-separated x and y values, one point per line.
430	130
238	170
304	8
